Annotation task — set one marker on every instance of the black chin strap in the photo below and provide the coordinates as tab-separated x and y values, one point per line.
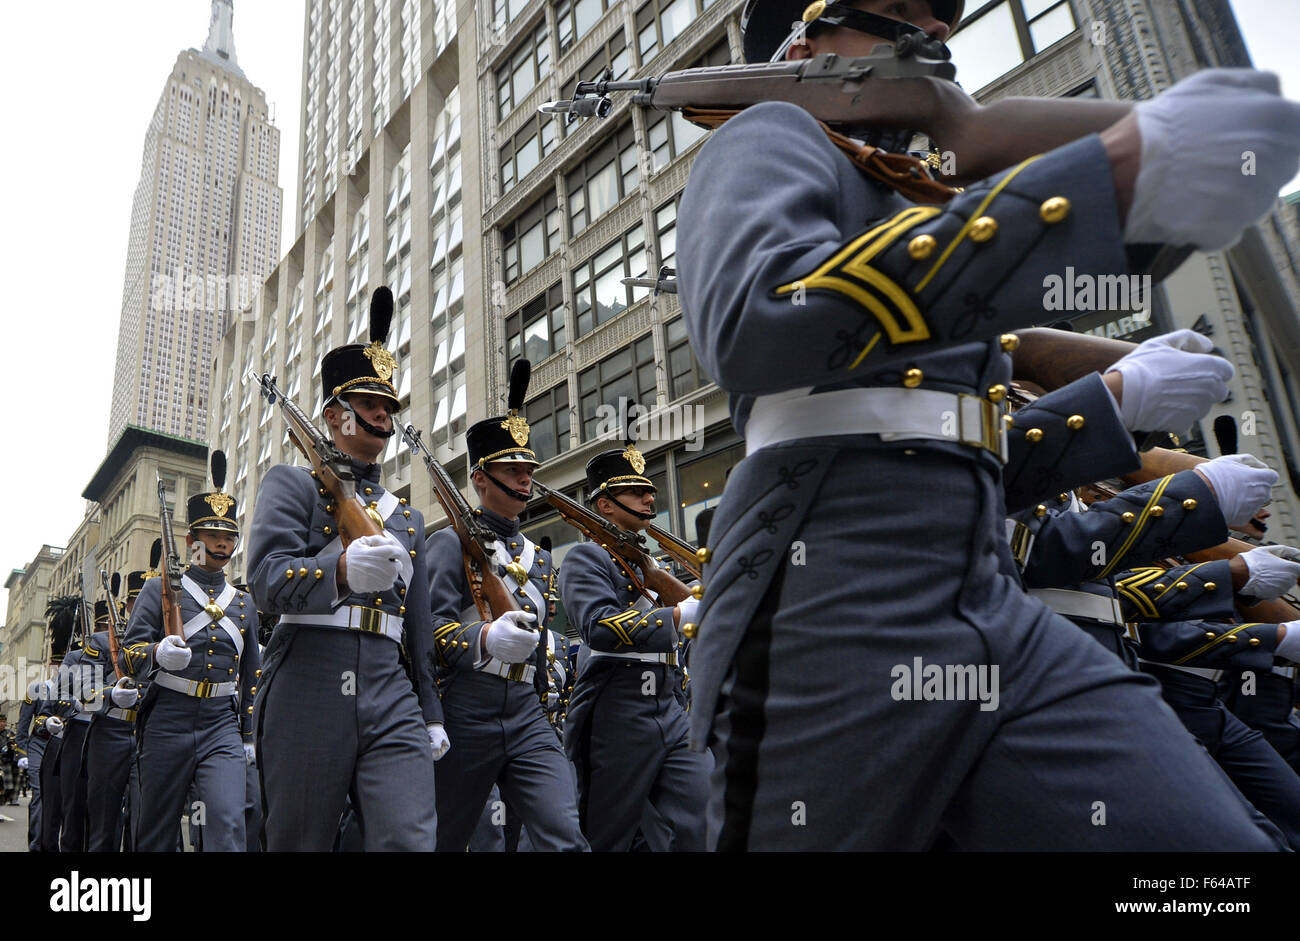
526	497
365	425
627	509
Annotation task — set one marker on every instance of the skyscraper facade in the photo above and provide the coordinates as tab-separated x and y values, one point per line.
205	233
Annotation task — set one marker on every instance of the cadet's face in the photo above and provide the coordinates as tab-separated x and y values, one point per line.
350	436
514	474
638	498
850	42
217	548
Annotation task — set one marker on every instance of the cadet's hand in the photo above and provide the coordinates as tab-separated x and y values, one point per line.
54	725
373	562
1193	187
1241	484
1273	571
250	754
172	654
1170	381
510	638
438	740
124	694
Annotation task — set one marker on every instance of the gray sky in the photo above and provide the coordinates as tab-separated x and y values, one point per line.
81	79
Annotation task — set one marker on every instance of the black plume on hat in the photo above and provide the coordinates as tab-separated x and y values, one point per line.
381	314
218	469
155	554
115	584
520	373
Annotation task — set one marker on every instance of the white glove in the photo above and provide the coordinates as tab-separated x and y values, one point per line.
552	697
125	695
1288	648
172	654
688	607
510	637
250	754
22	763
1241	485
373	562
54	725
438	740
1273	571
1216	148
1170	381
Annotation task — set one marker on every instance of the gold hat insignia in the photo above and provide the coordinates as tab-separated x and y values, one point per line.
383	361
517	425
635	458
220	502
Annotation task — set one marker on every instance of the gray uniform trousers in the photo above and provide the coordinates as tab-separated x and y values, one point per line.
633	755
110	753
815	751
337	715
51	795
183	740
35	755
72	785
500	735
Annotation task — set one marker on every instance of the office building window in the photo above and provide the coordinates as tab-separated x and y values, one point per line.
601	180
531	237
1001	34
598	292
527	66
627	375
575	18
537	330
548	422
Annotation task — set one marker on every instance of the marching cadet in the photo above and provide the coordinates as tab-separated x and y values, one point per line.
883	317
110	743
53	717
189	728
338	714
493	675
626	727
31	740
8	762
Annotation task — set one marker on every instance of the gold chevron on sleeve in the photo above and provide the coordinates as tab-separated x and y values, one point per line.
618	623
847	272
1138	527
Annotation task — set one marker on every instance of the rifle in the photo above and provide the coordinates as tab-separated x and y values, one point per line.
628	548
491	596
114	645
332	468
665	283
171	570
884	89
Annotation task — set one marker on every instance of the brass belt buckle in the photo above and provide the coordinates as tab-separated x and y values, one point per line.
516	672
372	621
203	688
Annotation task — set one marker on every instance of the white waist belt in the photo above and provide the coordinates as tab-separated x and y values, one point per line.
201	689
126	715
81	717
1203	672
518	672
1288	672
1079	604
894	414
669	657
353	617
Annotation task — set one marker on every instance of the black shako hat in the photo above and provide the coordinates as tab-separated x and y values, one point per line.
765	24
359	367
504	437
215	510
618	467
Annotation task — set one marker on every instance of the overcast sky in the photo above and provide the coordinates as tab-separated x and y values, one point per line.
81	79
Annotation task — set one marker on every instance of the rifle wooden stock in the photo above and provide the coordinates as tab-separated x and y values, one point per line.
1054	358
114	647
491	596
353	517
172	571
685	554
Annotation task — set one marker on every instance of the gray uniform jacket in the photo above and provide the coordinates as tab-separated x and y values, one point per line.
215	656
293	554
772	206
